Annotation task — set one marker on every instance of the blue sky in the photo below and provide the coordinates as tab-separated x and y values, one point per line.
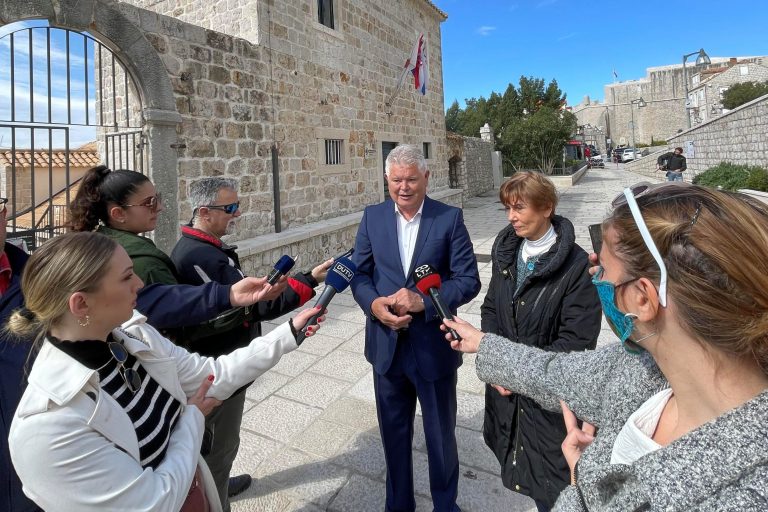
489	43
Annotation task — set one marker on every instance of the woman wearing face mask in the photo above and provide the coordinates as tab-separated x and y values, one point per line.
540	295
113	416
682	403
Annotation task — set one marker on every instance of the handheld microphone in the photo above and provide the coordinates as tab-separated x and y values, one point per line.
338	278
282	267
428	282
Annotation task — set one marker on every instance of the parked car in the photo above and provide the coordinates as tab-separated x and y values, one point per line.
629	154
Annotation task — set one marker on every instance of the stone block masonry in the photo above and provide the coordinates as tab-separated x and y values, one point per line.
261	73
739	137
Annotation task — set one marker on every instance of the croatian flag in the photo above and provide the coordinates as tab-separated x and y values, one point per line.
417	65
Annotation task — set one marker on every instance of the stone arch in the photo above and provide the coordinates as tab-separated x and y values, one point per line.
104	20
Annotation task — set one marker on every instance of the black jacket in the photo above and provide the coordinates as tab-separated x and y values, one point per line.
557	309
220	263
672	162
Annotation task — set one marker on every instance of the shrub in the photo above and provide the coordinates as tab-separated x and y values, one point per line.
733	177
758	179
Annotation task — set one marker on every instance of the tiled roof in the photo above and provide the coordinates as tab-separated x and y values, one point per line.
58	158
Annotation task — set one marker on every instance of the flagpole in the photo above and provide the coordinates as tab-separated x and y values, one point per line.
410	61
396	92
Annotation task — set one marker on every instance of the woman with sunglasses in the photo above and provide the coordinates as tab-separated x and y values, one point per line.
540	295
113	416
121	205
681	404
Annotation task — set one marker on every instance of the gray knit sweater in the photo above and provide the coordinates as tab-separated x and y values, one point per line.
720	466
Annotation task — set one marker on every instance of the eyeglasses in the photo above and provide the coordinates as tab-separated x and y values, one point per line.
151	202
229	209
130	376
3	204
629	197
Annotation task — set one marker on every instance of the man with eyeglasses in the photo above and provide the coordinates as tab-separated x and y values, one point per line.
200	256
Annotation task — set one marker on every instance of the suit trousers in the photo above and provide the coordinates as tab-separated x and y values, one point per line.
396	393
224	421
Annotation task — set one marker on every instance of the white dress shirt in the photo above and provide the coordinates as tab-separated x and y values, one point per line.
407	231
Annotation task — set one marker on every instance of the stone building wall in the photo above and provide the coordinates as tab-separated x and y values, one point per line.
663	91
473	158
479	166
302	84
739	137
707	96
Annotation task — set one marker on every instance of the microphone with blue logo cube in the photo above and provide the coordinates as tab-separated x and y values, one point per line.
339	276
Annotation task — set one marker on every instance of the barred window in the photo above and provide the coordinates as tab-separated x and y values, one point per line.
427	150
334	151
325	12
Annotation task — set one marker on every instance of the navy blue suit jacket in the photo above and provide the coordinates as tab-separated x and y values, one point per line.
442	242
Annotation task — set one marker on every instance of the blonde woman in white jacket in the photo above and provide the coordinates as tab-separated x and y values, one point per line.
113	417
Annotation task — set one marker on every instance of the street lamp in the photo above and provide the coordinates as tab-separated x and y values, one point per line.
702	59
640	102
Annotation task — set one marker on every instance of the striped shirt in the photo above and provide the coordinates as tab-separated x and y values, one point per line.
152	410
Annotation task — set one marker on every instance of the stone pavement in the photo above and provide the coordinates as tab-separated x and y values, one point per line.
309	434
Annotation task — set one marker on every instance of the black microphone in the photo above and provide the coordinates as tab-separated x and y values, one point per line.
339	276
282	267
428	282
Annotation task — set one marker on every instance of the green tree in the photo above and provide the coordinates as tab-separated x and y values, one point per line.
537	140
739	94
453	118
515	119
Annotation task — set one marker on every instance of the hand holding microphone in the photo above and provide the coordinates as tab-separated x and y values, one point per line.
428	282
339	276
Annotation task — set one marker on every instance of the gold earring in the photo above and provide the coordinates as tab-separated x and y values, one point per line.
86	323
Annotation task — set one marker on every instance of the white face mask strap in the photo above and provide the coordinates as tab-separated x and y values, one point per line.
649	243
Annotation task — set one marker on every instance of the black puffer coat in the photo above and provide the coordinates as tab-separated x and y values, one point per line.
556	308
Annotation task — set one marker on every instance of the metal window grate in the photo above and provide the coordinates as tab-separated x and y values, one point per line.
334	151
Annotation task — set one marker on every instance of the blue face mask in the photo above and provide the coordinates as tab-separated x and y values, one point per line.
621	323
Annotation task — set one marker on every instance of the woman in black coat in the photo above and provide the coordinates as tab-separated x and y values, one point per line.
540	295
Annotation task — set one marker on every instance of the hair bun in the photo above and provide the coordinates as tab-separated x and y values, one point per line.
102	171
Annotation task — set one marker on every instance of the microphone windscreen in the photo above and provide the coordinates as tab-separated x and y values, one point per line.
284	264
340	274
428	281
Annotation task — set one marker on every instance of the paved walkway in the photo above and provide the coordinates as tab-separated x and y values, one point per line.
309	434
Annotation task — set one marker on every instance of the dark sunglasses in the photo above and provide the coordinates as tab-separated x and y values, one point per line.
3	203
130	376
151	202
229	209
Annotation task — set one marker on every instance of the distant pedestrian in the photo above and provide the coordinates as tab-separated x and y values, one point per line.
673	163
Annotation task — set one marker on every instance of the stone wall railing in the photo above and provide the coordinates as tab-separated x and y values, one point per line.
739	137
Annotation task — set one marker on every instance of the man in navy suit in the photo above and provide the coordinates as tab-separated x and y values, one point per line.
411	358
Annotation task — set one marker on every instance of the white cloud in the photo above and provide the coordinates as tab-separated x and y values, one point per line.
485	30
567	36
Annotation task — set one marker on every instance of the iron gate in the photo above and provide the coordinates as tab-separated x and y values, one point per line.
66	105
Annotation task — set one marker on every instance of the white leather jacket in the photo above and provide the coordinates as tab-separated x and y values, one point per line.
75	448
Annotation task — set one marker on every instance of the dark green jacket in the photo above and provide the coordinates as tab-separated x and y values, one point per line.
149	263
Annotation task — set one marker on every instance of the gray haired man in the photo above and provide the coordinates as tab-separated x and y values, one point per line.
200	256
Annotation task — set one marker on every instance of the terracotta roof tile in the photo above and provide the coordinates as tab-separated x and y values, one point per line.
58	158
